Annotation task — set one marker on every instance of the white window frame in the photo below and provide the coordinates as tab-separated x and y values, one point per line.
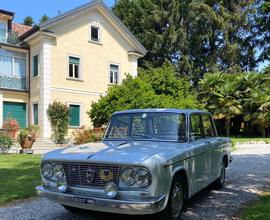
13	62
80	68
118	75
98	26
32	66
81	110
32	113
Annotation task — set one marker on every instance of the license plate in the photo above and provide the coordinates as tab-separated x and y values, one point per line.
83	200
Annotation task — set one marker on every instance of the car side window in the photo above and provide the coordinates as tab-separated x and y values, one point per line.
196	130
208	126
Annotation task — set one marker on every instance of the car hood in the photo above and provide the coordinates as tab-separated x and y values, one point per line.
120	152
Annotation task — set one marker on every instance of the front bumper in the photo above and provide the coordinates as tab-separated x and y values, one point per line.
106	205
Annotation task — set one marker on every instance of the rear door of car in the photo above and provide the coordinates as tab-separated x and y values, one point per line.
200	161
210	135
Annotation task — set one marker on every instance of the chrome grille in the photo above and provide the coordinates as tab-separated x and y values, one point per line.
75	174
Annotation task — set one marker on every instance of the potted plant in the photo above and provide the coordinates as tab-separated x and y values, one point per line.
11	127
27	136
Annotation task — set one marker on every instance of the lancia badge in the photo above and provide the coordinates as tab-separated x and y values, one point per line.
89	175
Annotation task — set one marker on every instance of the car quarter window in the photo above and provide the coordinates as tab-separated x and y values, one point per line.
196	129
208	126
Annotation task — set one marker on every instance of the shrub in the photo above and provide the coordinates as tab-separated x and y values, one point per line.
86	135
58	114
11	124
6	142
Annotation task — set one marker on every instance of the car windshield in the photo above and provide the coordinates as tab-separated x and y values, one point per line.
152	126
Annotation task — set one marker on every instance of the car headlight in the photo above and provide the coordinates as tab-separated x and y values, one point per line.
46	170
58	172
142	177
128	176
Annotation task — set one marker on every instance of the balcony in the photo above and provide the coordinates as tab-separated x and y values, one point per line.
10	37
14	82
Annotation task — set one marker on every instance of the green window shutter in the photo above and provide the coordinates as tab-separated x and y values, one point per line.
35	65
35	110
74	60
15	110
74	115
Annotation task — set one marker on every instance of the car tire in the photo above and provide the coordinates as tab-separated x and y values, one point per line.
73	209
220	182
175	203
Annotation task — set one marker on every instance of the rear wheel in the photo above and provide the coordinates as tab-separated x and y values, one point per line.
175	203
220	182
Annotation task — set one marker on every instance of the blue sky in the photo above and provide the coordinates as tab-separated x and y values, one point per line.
36	8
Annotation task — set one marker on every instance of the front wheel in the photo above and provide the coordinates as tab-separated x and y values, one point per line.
175	203
220	182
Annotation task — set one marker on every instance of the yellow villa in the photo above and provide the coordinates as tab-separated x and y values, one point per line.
72	58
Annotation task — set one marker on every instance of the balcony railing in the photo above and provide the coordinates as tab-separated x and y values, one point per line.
14	82
10	37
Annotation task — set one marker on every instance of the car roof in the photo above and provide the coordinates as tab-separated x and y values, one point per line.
158	110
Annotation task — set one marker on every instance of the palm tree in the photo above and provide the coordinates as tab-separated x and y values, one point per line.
258	109
221	96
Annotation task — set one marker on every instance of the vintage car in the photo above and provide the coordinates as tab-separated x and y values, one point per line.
149	161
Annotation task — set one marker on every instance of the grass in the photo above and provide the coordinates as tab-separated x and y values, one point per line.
19	174
243	140
259	210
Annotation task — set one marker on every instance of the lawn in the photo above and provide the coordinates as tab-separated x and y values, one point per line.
19	174
258	210
243	140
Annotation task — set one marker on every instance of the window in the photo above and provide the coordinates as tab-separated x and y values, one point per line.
95	35
74	115
196	131
35	113
12	64
35	65
208	126
114	74
74	63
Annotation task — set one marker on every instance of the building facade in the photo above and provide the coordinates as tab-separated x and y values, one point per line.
73	58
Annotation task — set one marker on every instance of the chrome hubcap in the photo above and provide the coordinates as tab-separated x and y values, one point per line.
177	200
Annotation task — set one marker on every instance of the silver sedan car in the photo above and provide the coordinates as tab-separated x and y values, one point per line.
149	161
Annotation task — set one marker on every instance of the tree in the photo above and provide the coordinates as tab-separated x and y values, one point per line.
43	18
28	20
262	27
197	36
221	96
153	88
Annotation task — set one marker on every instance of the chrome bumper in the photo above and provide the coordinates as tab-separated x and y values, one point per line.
106	205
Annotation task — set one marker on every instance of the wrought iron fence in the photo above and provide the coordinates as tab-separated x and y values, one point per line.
8	36
14	82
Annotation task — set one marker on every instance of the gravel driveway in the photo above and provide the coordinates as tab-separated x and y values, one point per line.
248	175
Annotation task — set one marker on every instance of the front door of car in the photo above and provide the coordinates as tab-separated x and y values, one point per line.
200	160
